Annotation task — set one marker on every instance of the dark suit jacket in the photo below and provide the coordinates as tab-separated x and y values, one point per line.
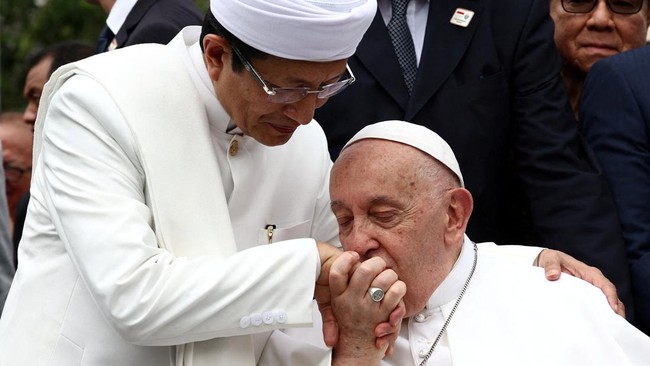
493	91
19	223
157	21
615	117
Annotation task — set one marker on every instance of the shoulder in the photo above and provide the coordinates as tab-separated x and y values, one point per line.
159	21
504	274
631	66
635	57
616	86
184	12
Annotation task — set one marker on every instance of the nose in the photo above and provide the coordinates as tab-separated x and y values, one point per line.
303	110
359	239
29	116
601	17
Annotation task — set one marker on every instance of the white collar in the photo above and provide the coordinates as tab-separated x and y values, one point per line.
453	284
193	59
118	14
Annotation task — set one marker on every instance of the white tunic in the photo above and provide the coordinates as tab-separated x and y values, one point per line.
511	315
94	286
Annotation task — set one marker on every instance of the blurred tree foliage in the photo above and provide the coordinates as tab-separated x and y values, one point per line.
26	26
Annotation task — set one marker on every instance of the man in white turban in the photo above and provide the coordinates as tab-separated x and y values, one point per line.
178	213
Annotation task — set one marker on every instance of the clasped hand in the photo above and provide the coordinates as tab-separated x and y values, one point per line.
356	326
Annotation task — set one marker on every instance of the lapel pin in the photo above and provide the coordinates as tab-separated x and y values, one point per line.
462	17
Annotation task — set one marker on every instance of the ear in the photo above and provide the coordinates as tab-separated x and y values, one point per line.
458	213
216	54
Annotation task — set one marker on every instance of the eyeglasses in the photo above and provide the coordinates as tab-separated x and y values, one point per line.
616	6
292	95
13	173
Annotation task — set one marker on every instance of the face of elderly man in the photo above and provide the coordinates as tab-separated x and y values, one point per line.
395	202
246	102
584	38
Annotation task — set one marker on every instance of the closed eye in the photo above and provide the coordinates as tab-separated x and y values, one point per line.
344	221
385	218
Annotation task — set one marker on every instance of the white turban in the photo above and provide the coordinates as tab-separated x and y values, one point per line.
311	30
413	135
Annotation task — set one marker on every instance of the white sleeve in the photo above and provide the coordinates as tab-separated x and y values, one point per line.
93	187
297	346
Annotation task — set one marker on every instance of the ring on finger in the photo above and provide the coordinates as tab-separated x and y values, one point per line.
376	294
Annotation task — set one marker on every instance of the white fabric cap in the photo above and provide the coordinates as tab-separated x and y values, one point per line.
414	135
310	30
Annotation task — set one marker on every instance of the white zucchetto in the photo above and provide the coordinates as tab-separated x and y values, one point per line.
310	30
413	135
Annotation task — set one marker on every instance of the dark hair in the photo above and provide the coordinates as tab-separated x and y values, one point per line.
62	53
212	26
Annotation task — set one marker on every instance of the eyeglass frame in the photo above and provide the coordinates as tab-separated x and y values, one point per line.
271	91
609	6
20	171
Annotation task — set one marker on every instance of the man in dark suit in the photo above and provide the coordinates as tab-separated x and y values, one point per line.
144	21
615	118
488	81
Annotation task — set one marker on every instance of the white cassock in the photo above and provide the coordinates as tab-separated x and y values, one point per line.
511	315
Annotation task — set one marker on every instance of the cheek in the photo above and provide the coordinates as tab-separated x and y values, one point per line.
565	32
634	33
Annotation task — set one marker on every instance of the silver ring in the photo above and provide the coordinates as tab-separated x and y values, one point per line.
376	294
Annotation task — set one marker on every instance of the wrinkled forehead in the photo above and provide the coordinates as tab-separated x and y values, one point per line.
375	160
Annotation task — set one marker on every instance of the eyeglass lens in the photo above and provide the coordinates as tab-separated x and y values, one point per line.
291	95
617	6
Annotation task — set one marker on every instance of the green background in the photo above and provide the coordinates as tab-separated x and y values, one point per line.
29	25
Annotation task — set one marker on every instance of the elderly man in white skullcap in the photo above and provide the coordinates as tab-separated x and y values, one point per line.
398	195
179	215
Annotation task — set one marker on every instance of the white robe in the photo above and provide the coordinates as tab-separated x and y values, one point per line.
511	315
94	285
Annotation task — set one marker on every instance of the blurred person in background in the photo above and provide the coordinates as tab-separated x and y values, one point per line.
17	139
589	30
